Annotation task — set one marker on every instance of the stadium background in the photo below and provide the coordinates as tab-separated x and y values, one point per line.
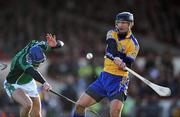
82	25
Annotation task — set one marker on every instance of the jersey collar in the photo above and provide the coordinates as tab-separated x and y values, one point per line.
128	35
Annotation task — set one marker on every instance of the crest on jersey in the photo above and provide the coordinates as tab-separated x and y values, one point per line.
122	49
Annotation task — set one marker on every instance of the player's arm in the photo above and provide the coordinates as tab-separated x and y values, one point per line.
112	51
28	68
38	77
113	54
35	74
51	43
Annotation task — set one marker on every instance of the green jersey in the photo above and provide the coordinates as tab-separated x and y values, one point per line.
20	64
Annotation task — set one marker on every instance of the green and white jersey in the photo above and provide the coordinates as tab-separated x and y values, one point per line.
20	63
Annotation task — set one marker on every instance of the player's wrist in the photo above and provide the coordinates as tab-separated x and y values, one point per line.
47	86
45	83
59	44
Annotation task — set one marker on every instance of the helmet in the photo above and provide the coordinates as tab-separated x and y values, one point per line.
36	55
124	16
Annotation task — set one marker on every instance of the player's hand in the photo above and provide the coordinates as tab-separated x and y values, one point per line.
51	39
120	63
46	86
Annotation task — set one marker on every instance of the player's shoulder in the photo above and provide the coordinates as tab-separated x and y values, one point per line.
111	34
41	42
37	42
33	41
111	31
133	38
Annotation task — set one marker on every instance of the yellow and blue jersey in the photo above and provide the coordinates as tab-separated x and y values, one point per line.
127	48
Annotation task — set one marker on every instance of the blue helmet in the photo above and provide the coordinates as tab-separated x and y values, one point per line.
124	16
36	55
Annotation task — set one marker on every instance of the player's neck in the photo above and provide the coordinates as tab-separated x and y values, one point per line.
122	35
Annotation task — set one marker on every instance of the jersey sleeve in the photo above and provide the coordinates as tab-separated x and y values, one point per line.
36	75
111	50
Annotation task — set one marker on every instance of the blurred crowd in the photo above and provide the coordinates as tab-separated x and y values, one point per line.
83	22
82	25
